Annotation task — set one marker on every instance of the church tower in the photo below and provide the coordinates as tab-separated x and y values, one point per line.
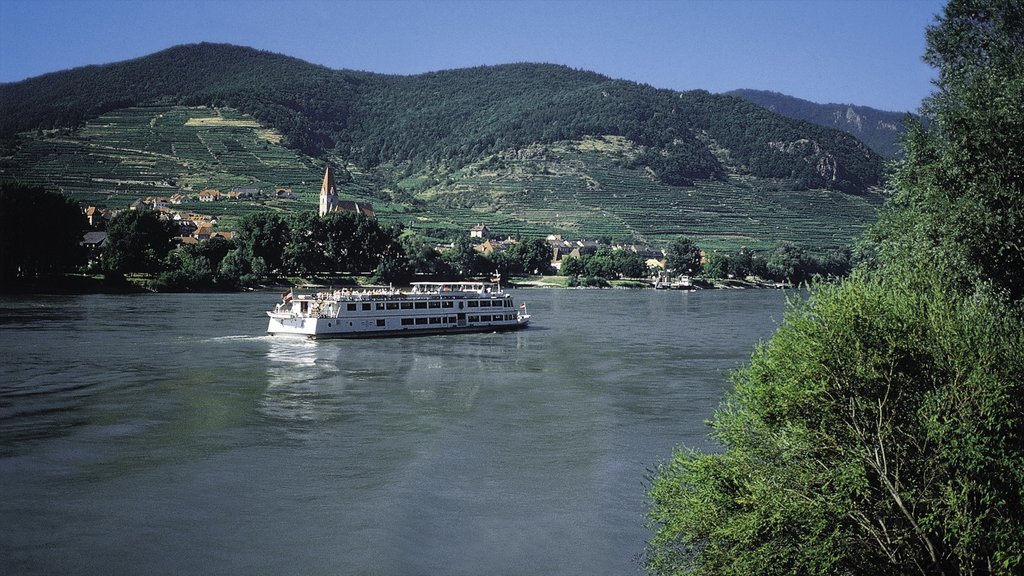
328	193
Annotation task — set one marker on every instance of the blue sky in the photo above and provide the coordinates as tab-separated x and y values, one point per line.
865	52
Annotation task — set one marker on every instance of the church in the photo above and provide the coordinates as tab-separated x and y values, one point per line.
329	201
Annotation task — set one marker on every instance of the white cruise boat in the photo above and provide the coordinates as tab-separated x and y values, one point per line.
428	308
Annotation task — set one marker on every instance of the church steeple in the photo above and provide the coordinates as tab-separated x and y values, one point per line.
328	193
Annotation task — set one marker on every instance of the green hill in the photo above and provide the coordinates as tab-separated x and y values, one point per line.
878	129
526	148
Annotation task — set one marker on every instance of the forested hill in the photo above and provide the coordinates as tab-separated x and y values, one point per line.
454	118
878	129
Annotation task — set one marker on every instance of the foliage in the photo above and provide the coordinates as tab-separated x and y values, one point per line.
196	267
450	118
263	235
28	247
137	241
959	202
605	264
880	130
683	256
877	432
462	259
787	262
587	282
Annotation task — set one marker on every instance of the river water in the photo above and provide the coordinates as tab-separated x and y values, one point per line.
167	434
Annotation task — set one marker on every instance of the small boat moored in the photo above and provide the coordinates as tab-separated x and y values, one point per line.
428	308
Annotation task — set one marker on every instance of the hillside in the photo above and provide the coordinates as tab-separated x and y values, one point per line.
528	148
879	129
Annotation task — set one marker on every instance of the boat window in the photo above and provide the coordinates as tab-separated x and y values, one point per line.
485	318
366	306
406	305
508	303
380	322
421	305
474	318
485	303
421	320
447	304
407	322
392	306
474	303
351	307
435	320
434	304
380	305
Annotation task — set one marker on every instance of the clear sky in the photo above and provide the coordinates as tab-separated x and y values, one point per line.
865	52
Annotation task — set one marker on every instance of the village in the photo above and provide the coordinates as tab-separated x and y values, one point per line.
194	228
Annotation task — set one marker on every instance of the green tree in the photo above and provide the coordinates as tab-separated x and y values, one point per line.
27	251
463	259
629	264
531	256
304	253
137	241
572	267
263	235
683	256
879	430
959	197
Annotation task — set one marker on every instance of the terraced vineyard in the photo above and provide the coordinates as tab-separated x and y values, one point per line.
585	192
578	189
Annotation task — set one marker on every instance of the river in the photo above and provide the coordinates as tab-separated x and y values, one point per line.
167	434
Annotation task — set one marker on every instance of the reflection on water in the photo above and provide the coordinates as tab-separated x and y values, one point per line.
168	433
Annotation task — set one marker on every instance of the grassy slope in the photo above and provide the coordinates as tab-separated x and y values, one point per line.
579	189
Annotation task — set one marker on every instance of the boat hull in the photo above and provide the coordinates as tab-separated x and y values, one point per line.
332	328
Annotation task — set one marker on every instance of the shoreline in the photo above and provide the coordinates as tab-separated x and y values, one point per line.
78	284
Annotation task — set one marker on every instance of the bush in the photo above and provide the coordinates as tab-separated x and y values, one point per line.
877	432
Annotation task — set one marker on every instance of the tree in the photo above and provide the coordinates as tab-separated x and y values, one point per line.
629	264
572	267
530	256
137	241
463	259
879	430
24	251
959	200
683	256
263	235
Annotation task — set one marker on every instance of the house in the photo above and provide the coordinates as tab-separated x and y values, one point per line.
239	193
488	247
203	233
137	205
94	242
179	199
284	193
209	195
480	231
97	216
186	227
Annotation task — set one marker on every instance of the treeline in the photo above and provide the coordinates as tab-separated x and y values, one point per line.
266	248
452	118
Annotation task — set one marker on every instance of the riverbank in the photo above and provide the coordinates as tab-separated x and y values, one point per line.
98	284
